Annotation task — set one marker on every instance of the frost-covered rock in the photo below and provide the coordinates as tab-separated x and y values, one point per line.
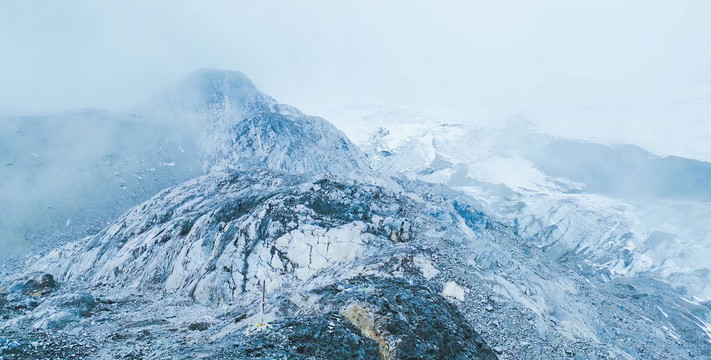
226	239
215	237
59	184
246	128
289	247
609	210
426	267
454	291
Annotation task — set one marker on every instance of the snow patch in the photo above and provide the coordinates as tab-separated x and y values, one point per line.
453	290
425	265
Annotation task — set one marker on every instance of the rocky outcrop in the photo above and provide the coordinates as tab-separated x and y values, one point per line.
41	285
246	128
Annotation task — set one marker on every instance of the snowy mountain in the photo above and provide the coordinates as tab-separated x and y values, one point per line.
246	126
441	241
619	207
67	175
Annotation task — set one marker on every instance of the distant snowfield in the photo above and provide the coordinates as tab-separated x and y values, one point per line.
595	213
680	128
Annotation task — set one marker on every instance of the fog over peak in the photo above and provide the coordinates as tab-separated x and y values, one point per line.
450	179
495	58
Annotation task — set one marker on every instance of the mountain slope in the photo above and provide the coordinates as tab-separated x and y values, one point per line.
290	241
222	240
244	125
619	207
67	175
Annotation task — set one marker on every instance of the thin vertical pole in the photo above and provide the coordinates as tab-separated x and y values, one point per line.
264	292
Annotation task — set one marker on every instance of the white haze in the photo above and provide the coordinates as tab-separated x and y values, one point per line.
493	59
627	72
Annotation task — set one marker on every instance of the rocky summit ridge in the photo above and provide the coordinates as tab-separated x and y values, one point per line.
248	129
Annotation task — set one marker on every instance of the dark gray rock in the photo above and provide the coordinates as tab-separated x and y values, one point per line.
41	285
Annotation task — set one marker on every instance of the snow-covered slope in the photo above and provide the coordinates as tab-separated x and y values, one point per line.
619	207
66	175
290	247
204	91
244	125
315	247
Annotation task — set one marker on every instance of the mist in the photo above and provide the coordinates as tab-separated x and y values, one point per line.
65	176
596	74
493	59
445	179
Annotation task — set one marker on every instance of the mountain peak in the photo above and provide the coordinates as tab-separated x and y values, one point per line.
215	85
206	90
231	76
246	129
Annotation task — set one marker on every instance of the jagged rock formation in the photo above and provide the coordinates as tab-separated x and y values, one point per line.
246	128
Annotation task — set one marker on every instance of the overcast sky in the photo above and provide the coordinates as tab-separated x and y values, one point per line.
503	56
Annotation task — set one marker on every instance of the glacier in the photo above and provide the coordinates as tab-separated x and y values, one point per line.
417	239
617	206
